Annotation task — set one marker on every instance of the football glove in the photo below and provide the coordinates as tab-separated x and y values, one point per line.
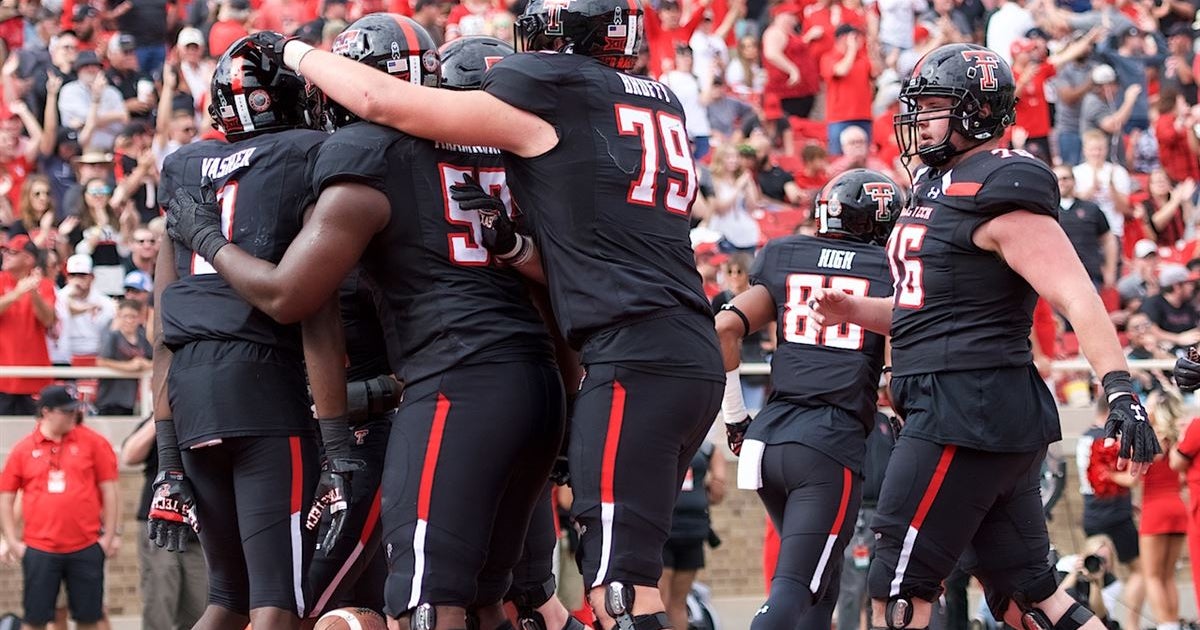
1127	419
1187	371
172	511
735	434
196	222
500	235
334	490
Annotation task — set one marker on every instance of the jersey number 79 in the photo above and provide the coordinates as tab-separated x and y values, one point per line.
655	130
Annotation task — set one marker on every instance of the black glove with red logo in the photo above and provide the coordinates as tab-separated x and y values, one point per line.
1187	371
500	235
172	503
334	490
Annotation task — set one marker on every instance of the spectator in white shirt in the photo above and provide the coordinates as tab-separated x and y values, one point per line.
84	312
1008	24
91	106
693	97
1101	182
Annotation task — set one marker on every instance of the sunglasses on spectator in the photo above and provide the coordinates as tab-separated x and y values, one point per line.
103	190
39	193
146	241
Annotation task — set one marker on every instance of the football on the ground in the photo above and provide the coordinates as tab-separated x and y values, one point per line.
351	619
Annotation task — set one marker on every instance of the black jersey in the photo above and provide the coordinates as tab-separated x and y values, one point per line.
262	186
609	206
366	348
442	302
837	366
959	307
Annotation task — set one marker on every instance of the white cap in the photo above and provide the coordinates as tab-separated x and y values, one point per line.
79	263
190	35
1103	74
1172	275
1144	248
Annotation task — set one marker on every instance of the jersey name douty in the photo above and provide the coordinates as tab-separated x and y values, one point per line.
836	259
645	87
216	168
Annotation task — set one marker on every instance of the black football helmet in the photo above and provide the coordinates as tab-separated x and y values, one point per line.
392	43
982	93
466	59
860	204
609	31
250	94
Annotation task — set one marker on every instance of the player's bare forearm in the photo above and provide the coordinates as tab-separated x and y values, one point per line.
758	307
531	269
1036	247
164	274
470	118
335	233
325	358
874	314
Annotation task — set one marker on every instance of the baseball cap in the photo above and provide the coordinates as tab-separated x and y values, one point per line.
57	397
139	281
21	243
85	59
1103	74
190	36
1180	29
1144	248
79	263
844	29
1172	275
83	12
123	42
1022	45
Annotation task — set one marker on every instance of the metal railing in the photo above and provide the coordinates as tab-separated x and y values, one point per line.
145	394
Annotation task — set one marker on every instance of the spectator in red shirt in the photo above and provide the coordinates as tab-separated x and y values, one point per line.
1183	459
1031	72
664	30
230	26
812	175
67	474
848	73
1176	141
26	313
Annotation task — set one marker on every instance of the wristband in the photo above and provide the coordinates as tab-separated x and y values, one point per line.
733	406
1117	383
728	306
293	54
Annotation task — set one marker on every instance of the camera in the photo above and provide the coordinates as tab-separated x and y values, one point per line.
1093	563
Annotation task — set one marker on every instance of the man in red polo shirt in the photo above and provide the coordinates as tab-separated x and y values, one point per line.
67	474
26	312
848	73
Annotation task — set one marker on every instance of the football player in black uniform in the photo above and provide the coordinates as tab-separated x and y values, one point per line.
600	163
464	63
237	448
482	415
804	451
977	244
352	572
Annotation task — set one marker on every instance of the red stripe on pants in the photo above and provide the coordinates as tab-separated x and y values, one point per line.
608	467
431	456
